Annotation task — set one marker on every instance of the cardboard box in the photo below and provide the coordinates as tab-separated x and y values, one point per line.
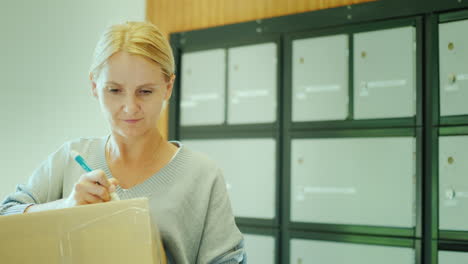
112	232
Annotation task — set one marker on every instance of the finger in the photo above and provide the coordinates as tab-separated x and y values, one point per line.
113	184
98	176
92	199
97	190
114	181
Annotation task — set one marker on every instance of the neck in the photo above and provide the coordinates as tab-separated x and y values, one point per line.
135	150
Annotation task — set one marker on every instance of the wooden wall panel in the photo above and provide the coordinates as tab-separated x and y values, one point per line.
183	15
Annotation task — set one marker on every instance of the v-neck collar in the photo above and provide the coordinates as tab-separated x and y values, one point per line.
148	186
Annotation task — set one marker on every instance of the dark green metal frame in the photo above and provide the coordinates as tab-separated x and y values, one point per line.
446	237
444	18
272	232
426	126
357	239
445	126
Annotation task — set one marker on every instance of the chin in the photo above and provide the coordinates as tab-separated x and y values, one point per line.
131	132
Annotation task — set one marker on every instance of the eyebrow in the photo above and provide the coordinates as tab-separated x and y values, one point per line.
139	86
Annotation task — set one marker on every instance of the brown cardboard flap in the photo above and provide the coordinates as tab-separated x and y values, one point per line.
112	232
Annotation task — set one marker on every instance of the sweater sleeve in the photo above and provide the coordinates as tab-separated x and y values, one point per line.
44	185
221	240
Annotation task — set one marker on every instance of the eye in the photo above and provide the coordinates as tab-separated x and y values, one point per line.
113	90
146	92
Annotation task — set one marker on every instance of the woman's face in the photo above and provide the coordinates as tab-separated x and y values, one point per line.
131	91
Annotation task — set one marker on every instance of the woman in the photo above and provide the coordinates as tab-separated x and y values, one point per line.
132	77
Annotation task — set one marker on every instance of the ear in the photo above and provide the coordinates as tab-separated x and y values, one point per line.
93	85
169	87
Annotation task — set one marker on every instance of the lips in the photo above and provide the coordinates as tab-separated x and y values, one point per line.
132	121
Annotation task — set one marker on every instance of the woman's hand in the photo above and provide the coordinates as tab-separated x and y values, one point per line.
92	187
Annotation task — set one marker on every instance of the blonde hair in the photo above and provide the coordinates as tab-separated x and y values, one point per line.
138	38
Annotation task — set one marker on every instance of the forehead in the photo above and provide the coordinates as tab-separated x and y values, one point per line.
126	68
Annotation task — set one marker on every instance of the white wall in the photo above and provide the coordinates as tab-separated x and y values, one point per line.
45	97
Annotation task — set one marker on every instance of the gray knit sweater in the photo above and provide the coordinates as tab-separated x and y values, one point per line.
188	200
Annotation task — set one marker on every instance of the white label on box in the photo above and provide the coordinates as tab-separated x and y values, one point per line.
462	77
205	97
303	190
301	96
188	104
386	84
322	88
252	93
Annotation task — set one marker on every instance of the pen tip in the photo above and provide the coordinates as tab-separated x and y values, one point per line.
74	154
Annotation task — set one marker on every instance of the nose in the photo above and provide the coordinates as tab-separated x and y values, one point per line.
131	104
